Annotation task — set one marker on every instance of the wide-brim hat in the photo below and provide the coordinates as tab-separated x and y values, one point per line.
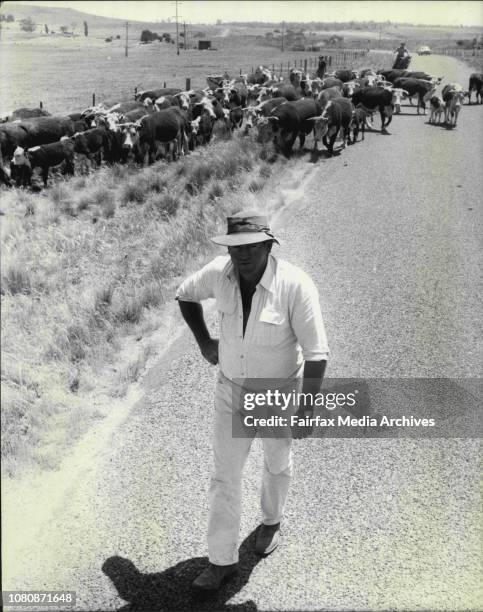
246	227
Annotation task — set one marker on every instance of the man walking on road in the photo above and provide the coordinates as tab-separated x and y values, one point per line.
270	327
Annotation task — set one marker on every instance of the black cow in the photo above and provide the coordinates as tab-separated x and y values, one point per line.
166	126
416	87
424	76
43	156
336	116
345	75
235	116
392	74
286	91
290	120
92	143
375	98
254	113
476	85
154	94
44	130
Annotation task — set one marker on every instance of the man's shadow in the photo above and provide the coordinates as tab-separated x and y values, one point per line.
171	589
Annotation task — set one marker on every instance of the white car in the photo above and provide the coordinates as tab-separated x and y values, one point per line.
424	50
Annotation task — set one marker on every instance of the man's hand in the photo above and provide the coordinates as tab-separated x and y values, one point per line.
300	431
209	350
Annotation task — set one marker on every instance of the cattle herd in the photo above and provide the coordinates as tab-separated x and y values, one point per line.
169	122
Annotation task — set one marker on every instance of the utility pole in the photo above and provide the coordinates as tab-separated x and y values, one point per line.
283	31
380	32
185	39
127	27
177	30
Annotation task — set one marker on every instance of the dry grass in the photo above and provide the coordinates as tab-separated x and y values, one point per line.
81	274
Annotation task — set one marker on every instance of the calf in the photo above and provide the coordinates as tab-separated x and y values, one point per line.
453	97
235	116
357	124
45	157
201	130
437	108
336	116
91	143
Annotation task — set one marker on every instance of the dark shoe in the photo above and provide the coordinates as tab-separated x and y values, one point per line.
212	577
268	538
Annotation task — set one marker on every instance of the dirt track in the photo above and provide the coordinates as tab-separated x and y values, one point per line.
390	231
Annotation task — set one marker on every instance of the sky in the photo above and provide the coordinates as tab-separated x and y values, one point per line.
443	12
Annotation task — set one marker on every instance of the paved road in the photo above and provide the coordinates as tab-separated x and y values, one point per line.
390	231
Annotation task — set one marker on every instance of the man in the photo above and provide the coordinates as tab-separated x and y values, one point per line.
402	55
270	327
321	68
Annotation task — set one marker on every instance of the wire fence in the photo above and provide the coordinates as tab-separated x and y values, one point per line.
335	58
462	53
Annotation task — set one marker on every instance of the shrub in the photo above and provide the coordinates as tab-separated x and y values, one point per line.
15	279
216	191
165	205
134	191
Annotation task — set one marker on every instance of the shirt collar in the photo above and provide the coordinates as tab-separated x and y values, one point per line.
267	278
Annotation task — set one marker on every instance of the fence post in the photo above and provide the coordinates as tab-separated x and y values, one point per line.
135	91
281	68
164	84
240	71
41	105
188	83
273	68
93	99
305	65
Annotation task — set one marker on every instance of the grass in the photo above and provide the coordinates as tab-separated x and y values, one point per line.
87	269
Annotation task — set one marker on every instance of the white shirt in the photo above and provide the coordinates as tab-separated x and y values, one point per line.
285	326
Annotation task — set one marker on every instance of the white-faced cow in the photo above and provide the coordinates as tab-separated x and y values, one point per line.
453	97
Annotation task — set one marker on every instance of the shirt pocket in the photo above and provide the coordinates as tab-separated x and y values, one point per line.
226	305
271	327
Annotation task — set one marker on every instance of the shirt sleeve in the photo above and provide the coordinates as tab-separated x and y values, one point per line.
307	322
200	285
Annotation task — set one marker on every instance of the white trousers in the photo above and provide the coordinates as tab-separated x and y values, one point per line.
225	489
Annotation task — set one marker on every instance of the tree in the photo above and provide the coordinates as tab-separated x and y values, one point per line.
46	28
64	29
86	28
10	18
27	24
